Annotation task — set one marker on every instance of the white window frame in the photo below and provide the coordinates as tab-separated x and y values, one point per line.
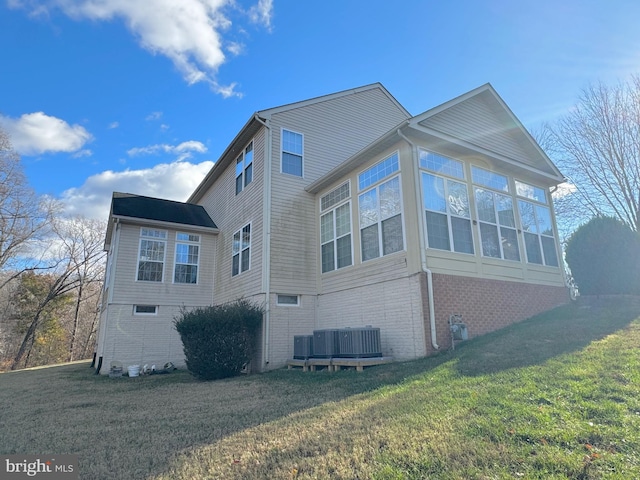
187	242
334	240
152	235
285	304
538	233
366	171
240	249
283	151
376	186
145	314
499	226
243	167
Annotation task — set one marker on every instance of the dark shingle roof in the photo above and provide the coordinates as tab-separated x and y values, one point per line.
125	205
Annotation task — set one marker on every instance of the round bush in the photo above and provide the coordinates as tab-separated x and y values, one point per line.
604	257
219	341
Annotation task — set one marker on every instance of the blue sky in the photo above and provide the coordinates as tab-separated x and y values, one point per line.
142	97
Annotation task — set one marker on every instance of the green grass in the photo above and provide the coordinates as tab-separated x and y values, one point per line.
554	397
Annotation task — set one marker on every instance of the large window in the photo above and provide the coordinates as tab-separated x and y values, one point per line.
335	229
241	251
151	255
187	255
446	204
292	153
244	168
537	227
381	220
496	220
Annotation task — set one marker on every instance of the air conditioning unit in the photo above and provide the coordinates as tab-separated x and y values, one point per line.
325	343
360	342
302	347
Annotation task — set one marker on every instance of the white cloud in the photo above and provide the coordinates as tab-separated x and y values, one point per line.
183	150
113	125
186	31
153	116
37	133
563	190
262	12
235	48
172	181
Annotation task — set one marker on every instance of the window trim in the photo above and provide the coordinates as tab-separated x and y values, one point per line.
497	223
539	234
175	256
240	270
335	238
295	305
283	151
163	239
145	314
241	160
382	179
376	186
447	178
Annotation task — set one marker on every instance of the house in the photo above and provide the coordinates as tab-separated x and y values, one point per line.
344	211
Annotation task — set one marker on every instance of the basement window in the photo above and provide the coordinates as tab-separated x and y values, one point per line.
145	310
288	300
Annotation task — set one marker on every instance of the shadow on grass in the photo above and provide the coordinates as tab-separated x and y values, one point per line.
136	428
560	331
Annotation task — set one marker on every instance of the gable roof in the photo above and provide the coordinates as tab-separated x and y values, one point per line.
499	135
257	121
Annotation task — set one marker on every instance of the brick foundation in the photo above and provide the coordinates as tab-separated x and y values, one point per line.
486	305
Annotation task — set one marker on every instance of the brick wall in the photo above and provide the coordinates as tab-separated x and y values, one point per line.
486	305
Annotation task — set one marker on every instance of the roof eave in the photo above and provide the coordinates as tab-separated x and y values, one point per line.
172	225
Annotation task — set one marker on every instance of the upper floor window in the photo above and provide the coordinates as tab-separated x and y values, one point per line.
381	220
292	153
489	179
151	255
379	171
241	250
531	191
441	164
244	168
446	204
335	229
187	256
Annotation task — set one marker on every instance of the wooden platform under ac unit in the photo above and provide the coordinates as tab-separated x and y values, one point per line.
336	363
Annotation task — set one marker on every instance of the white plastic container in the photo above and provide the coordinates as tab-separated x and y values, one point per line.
134	370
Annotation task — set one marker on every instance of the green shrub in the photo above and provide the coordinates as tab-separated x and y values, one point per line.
220	340
604	257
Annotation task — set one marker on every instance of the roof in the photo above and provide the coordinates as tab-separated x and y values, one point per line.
257	121
157	209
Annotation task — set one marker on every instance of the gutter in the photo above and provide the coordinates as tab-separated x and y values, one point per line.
422	241
266	239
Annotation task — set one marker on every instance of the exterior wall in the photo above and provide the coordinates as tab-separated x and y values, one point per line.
232	212
140	339
394	306
148	339
485	304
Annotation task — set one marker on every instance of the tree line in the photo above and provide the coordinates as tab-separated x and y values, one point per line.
51	273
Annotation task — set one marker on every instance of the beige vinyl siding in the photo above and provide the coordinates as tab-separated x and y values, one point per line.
476	122
231	213
394	306
332	130
128	290
141	339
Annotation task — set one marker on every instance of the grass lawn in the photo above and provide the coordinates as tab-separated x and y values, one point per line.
554	397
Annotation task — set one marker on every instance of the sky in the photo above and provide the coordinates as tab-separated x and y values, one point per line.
143	96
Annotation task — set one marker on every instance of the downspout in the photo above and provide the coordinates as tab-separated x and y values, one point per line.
266	239
422	241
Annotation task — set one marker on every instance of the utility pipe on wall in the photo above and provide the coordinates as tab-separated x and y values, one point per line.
422	242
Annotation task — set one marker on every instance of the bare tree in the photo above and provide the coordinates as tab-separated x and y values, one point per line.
24	217
597	146
77	252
